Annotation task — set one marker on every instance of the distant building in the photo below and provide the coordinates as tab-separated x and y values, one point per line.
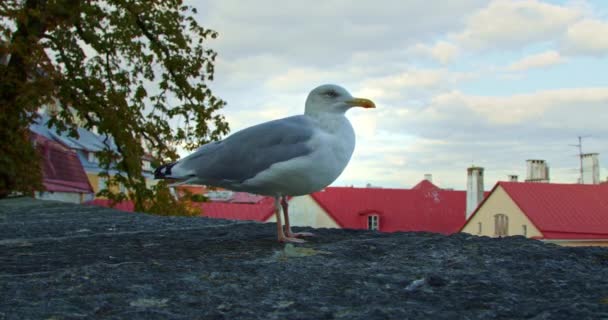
87	146
63	176
237	206
425	207
566	214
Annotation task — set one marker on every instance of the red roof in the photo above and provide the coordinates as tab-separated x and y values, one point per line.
193	189
244	197
425	185
122	206
563	211
422	208
258	211
61	169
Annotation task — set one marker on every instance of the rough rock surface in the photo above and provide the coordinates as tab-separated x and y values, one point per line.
61	261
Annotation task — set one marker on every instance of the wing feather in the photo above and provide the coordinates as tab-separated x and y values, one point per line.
247	152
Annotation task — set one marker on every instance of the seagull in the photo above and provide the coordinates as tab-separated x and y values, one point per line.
287	157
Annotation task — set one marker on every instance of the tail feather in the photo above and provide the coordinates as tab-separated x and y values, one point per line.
164	171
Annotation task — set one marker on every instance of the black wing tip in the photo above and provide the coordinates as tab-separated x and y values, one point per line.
164	171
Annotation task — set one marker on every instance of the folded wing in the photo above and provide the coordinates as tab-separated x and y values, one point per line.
248	152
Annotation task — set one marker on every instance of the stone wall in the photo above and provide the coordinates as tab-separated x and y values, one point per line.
63	261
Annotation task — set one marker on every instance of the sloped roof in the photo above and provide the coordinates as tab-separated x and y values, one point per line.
191	188
61	169
563	211
86	140
426	207
258	211
425	185
244	197
122	206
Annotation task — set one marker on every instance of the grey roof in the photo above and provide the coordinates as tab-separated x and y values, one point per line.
86	140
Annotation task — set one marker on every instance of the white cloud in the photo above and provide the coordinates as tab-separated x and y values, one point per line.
442	51
299	79
587	37
540	107
430	118
539	60
328	32
511	24
497	132
414	83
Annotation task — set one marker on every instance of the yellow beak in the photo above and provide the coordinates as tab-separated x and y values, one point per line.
361	102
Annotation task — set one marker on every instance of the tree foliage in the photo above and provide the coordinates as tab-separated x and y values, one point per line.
135	70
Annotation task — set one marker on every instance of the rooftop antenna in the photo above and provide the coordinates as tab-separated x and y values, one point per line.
580	155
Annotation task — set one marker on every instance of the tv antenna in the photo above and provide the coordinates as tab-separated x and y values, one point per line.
579	145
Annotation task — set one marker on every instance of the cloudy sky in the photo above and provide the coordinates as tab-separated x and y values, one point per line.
456	83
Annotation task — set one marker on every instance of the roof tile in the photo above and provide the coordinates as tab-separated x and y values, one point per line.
61	169
563	211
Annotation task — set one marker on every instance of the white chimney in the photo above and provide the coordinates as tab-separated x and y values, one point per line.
428	177
513	178
591	168
474	189
537	171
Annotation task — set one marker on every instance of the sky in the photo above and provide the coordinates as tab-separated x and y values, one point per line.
456	83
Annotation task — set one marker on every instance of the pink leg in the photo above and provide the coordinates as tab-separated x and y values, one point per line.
280	234
288	231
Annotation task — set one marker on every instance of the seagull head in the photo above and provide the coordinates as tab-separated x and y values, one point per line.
332	98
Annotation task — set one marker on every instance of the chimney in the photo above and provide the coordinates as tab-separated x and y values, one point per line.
537	171
591	168
428	177
474	189
513	178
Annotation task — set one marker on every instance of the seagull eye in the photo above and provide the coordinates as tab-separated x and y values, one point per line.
331	94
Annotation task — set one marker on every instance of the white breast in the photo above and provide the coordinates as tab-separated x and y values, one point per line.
332	143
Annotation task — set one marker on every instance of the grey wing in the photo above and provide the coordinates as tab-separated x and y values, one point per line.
247	152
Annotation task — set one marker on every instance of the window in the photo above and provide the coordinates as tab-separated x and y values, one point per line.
524	230
501	225
372	222
92	157
478	227
102	183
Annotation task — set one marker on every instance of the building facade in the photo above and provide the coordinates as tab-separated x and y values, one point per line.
566	214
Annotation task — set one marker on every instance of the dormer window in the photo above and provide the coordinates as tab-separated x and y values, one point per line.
370	218
92	158
373	222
